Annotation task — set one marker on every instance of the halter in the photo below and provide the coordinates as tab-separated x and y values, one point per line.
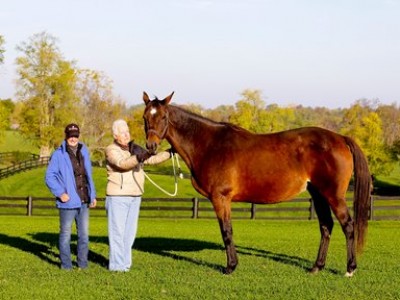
160	136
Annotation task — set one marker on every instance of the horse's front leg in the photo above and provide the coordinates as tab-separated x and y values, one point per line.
227	237
223	211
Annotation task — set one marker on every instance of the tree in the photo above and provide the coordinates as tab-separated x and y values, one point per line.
248	110
136	124
4	119
2	49
6	110
365	126
390	116
276	118
194	108
352	124
46	86
221	113
99	108
3	111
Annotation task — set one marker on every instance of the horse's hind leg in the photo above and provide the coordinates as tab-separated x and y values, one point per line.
342	214
325	224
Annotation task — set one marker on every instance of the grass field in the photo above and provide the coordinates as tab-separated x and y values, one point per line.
183	259
13	141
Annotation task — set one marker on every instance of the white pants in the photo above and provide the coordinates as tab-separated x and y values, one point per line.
123	216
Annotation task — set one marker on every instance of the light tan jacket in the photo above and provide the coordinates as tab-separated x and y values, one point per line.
125	175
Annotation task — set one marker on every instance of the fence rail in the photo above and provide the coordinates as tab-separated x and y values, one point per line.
23	166
12	154
382	208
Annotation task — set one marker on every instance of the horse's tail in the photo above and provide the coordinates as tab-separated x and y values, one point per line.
362	193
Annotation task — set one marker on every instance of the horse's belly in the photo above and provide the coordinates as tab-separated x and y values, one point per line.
271	192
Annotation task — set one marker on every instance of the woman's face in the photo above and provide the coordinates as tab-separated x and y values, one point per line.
123	136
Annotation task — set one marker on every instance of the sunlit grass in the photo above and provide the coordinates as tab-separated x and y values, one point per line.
183	259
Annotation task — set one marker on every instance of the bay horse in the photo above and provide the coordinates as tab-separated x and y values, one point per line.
230	164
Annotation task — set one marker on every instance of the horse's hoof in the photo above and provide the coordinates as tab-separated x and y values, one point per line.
349	274
314	270
229	270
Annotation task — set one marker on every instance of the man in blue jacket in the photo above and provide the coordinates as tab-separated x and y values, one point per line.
69	178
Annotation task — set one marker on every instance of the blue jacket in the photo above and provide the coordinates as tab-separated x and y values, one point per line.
60	177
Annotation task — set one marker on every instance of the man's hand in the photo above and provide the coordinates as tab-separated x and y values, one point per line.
93	203
64	197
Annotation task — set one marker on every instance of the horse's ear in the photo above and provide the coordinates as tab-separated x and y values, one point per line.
146	98
168	98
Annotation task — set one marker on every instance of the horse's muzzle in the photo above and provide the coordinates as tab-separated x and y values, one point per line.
152	147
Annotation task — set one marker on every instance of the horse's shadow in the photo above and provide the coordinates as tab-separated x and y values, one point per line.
164	246
281	258
43	243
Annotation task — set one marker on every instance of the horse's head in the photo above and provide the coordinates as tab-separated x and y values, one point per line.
155	120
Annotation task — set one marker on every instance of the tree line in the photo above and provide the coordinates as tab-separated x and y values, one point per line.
52	92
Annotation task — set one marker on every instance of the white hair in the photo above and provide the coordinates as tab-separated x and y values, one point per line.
117	125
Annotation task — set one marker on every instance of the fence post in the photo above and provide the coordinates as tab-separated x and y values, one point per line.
253	211
371	208
311	209
195	208
29	206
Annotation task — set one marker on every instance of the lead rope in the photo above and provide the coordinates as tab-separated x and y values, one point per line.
175	177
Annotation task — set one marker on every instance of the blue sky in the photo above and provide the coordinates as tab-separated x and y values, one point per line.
308	52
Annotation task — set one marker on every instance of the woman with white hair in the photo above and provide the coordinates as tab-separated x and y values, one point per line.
125	186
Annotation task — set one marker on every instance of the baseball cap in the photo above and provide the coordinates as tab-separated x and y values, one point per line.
72	130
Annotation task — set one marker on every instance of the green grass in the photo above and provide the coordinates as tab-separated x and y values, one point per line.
182	259
13	141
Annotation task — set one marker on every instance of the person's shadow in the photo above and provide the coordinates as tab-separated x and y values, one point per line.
42	251
52	240
42	245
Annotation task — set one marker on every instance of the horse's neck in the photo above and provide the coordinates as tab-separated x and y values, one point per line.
189	135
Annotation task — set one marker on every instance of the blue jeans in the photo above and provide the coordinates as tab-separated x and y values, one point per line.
123	216
81	217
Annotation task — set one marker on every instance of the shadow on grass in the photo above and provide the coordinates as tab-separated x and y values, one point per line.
162	246
52	239
291	260
44	252
43	243
383	188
